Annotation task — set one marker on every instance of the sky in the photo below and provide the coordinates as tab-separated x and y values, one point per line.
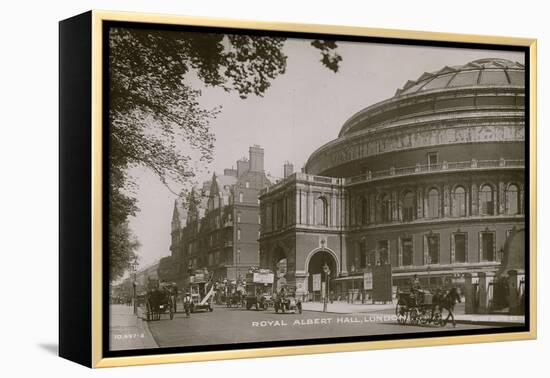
302	110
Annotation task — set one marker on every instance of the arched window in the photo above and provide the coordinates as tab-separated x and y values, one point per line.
433	203
512	200
321	211
364	211
486	200
386	208
459	202
408	209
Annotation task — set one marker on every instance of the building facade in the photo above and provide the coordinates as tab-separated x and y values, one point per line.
430	181
218	227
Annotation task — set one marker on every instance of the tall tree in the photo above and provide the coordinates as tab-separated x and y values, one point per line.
155	117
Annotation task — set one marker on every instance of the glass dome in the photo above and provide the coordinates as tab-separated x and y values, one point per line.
482	72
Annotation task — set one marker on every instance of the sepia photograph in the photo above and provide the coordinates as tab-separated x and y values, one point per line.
281	189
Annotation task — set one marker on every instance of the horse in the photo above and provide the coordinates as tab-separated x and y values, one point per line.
446	300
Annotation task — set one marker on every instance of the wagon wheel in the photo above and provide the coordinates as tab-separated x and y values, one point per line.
401	313
437	320
413	315
424	316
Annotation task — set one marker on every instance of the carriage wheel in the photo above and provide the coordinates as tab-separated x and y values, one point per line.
413	315
437	320
424	316
401	314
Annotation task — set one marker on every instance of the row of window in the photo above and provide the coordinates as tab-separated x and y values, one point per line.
387	209
432	250
406	209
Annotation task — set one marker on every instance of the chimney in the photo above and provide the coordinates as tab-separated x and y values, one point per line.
256	158
288	169
242	166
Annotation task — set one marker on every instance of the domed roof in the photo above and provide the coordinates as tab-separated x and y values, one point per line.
482	72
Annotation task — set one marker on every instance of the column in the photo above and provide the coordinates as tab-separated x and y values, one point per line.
372	208
419	203
425	207
485	291
395	205
446	201
332	210
475	200
467	197
310	207
501	208
521	199
471	282
303	206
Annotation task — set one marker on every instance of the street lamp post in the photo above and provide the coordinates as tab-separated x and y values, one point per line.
352	284
326	270
429	261
134	283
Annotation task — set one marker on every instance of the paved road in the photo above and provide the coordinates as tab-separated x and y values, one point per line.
226	326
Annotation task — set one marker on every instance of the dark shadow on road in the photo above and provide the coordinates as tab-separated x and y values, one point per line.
52	348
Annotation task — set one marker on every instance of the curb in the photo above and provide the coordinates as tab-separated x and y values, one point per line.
490	323
144	325
501	323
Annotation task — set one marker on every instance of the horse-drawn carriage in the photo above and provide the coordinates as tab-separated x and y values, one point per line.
234	299
417	306
159	301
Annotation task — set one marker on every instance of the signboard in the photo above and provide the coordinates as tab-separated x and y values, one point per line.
265	278
367	280
317	282
323	289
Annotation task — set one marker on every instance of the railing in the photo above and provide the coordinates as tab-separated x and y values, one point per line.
439	167
403	171
302	177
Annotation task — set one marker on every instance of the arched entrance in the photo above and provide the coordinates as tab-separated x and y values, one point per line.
317	279
279	267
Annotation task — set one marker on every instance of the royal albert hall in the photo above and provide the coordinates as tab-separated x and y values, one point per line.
430	181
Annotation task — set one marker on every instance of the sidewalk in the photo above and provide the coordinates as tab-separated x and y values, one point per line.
349	308
389	309
127	331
